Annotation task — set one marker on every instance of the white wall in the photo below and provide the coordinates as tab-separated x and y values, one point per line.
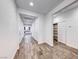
42	29
68	25
49	21
38	29
48	35
9	38
20	27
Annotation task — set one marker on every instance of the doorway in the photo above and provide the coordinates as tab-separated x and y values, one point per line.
55	33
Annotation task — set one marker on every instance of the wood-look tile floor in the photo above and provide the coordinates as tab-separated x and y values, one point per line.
32	50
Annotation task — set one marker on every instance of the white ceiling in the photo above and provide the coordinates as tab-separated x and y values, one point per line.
27	19
40	6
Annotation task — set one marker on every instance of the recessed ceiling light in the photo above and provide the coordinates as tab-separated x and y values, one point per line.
31	4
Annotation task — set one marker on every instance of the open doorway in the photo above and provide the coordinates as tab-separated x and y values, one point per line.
55	33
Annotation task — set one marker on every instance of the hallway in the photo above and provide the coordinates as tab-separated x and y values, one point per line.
30	49
38	29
